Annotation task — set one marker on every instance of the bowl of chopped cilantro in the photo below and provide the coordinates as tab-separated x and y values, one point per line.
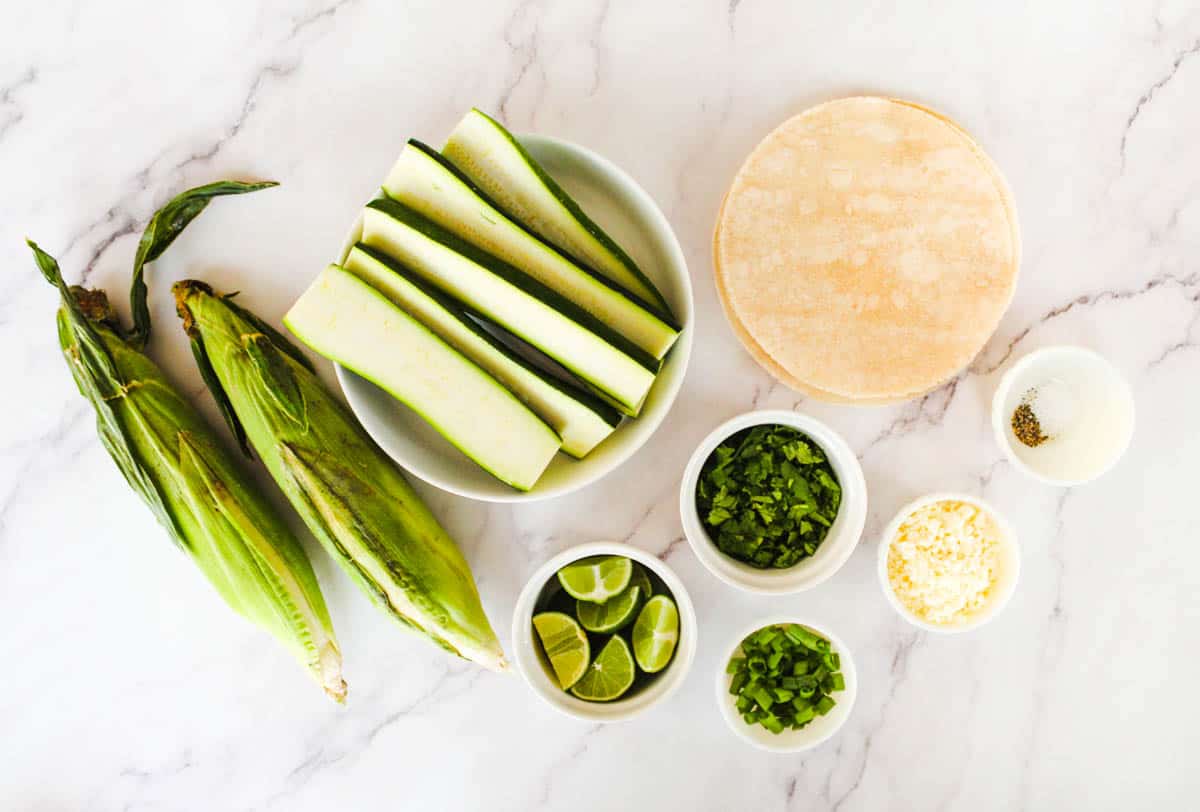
773	502
786	685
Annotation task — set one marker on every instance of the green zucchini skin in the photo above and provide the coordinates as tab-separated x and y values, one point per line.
414	219
410	220
594	247
581	419
426	181
610	415
338	301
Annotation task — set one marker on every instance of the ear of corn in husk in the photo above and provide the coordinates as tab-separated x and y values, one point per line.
349	493
172	458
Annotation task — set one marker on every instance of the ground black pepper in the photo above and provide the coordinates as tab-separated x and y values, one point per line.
1026	427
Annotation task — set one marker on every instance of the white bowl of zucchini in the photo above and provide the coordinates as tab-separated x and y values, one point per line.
492	337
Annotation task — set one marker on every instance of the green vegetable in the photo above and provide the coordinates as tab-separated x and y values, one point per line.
172	458
352	497
775	678
504	170
581	419
430	184
610	365
767	496
351	323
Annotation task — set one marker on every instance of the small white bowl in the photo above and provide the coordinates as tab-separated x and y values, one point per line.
629	214
536	673
1089	400
1011	566
815	732
839	542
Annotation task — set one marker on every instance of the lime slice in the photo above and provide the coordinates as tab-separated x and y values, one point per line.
640	578
596	579
610	674
655	634
565	644
612	614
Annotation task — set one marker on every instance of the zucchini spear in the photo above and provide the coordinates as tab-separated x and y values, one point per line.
350	494
173	459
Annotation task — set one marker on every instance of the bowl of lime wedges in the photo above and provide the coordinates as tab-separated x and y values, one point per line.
604	631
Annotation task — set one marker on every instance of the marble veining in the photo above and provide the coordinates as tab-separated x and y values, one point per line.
129	686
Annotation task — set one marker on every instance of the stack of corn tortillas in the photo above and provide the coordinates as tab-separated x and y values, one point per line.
866	251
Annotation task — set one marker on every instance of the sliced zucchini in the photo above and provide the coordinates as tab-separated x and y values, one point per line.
497	163
604	360
425	181
583	421
347	321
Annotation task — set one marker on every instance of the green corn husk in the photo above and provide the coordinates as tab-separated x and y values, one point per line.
349	493
174	460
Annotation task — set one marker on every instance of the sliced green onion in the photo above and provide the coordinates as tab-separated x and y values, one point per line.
784	677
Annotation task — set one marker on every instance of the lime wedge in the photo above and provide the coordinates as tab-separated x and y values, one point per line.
611	615
610	674
596	579
640	578
565	644
655	634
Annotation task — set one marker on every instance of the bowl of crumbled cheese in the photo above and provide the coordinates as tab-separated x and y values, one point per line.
948	562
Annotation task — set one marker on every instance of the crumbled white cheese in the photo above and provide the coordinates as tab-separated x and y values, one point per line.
944	561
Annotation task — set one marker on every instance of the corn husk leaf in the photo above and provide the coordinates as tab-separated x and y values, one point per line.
167	224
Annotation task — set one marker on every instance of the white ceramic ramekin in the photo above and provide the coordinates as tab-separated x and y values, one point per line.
839	542
1095	407
1011	564
815	732
535	671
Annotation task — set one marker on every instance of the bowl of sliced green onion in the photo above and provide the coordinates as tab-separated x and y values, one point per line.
787	685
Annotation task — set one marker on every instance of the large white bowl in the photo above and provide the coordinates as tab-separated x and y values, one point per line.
815	732
839	542
536	672
1005	587
630	216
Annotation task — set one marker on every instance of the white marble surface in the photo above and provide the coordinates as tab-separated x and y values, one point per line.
127	685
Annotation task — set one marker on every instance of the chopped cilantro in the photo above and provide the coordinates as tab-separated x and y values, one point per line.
767	496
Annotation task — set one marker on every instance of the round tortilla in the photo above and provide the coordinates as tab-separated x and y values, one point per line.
866	251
